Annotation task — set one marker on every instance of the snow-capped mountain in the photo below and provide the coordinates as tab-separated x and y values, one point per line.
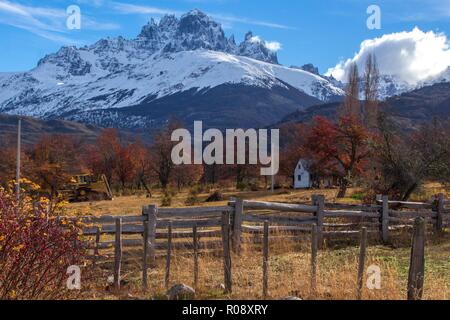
180	67
391	85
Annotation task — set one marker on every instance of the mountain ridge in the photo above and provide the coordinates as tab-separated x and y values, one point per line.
409	109
175	57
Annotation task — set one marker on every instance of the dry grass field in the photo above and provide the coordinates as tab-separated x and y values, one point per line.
289	263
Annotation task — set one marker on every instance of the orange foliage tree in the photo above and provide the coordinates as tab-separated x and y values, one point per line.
341	147
53	160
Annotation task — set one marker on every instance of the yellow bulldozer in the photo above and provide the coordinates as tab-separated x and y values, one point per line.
86	187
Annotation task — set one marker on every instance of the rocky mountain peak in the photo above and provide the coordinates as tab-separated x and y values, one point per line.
69	60
197	23
248	36
150	30
168	22
232	40
196	30
192	31
310	68
256	48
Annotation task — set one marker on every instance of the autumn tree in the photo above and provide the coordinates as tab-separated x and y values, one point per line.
140	157
342	147
102	157
53	160
124	169
186	175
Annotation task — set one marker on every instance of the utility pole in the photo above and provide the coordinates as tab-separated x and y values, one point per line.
19	133
273	174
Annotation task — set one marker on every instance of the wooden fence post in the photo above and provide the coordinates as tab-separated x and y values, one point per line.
417	262
237	225
145	214
117	254
266	260
226	252
319	201
385	220
440	213
152	221
169	254
314	249
195	238
362	262
97	244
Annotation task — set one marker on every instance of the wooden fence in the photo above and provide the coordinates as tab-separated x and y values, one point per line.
247	217
224	227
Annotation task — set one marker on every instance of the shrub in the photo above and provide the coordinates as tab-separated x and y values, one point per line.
35	250
241	186
167	199
358	196
192	198
215	197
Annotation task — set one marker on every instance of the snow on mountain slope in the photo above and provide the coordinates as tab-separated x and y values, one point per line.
48	90
174	56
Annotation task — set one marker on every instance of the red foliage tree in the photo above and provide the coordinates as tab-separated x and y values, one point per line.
108	147
124	170
35	252
340	147
53	160
140	157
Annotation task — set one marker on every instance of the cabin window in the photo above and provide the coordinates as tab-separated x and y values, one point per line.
299	178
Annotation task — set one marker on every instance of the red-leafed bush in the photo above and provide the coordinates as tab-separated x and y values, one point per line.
35	250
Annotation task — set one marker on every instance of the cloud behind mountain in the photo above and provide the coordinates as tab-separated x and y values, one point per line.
412	57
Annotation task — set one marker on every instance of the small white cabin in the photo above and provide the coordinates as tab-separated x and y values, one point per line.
302	177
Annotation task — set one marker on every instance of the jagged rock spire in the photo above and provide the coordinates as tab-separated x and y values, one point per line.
196	30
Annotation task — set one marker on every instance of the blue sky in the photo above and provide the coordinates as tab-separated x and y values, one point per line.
323	32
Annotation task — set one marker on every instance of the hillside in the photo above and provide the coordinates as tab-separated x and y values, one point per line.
410	109
33	129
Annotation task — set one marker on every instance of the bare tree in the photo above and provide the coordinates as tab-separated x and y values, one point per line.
351	105
371	87
161	153
405	161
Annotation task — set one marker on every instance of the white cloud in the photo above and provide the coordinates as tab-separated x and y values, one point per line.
230	19
126	8
271	45
411	56
46	22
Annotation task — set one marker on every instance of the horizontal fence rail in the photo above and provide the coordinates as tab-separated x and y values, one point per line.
150	230
248	217
160	231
